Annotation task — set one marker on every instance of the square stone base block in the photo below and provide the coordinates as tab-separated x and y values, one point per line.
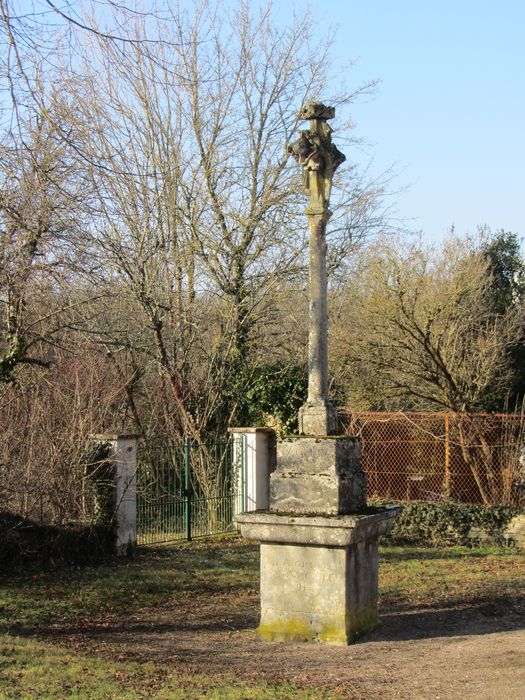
327	594
318	475
318	574
318	419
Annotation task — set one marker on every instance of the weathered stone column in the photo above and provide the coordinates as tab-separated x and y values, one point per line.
317	416
319	159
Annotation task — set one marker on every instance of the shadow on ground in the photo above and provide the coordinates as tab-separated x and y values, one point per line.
220	617
498	615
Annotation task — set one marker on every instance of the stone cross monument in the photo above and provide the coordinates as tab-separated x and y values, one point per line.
318	538
319	159
317	474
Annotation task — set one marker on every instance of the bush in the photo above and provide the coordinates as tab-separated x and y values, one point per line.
24	542
48	418
444	524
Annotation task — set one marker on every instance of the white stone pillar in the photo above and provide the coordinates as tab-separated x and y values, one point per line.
254	460
122	454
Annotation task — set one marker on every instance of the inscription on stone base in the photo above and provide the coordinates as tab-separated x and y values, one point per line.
328	594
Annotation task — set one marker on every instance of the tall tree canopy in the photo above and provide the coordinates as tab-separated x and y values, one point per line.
189	223
424	330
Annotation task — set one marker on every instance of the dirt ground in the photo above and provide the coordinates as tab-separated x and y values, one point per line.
474	652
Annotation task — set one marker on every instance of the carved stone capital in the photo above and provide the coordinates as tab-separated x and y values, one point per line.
316	110
316	154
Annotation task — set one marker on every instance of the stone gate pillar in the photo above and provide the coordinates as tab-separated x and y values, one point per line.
254	458
122	457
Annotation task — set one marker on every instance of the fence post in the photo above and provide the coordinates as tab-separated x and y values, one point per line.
187	488
447	455
122	455
254	458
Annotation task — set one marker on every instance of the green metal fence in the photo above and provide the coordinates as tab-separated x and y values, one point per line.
187	489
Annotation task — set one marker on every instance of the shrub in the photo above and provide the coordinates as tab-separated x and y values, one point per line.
47	419
24	542
274	396
447	523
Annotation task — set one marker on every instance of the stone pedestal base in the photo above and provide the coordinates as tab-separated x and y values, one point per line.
318	419
318	475
318	574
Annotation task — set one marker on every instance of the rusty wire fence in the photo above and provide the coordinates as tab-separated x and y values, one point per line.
476	458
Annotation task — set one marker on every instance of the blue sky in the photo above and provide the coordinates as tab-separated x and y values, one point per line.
450	108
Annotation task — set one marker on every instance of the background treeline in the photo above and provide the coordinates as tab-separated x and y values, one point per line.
152	246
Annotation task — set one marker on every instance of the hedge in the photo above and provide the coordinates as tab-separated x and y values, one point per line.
24	542
447	523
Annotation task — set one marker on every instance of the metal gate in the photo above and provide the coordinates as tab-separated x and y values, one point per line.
187	489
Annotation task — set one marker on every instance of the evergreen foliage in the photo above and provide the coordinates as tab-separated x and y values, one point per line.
274	396
446	523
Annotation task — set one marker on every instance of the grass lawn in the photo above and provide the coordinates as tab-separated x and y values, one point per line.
32	669
58	630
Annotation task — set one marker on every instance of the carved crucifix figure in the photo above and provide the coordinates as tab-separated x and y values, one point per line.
319	159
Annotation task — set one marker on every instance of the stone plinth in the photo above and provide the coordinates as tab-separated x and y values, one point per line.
318	419
318	574
318	475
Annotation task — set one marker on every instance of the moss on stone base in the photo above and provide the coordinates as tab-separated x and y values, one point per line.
364	621
339	632
290	630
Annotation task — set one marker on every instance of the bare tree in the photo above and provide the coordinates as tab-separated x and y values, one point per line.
198	215
177	124
419	326
39	222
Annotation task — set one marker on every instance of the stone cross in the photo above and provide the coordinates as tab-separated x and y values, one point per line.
318	543
319	159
